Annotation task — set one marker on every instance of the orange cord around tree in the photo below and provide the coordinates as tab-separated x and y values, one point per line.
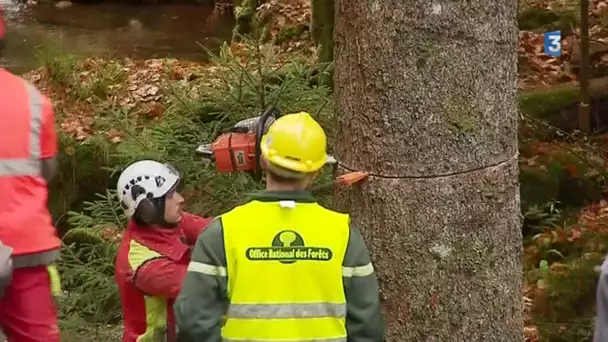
351	178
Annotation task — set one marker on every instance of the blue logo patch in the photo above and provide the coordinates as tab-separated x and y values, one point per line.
553	43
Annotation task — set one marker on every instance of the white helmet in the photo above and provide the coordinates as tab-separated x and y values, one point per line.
153	180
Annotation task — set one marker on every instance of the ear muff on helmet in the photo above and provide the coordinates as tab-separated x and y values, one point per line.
148	211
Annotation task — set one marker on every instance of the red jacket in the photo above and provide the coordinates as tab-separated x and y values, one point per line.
27	136
150	267
2	25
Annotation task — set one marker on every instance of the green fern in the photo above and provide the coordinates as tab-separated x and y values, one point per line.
81	236
88	282
99	214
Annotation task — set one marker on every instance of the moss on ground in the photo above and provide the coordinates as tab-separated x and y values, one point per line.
545	104
545	20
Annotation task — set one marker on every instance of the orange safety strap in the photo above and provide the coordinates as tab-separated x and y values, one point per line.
30	166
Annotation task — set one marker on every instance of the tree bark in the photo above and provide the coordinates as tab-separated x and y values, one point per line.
427	103
584	117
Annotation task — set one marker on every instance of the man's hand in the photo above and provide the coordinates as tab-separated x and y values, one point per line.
49	169
6	267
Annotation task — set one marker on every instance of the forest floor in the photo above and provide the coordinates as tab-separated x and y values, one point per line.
537	70
560	259
145	89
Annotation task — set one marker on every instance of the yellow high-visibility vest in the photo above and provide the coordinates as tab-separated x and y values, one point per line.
284	267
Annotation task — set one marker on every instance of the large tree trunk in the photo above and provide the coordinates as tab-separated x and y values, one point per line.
426	102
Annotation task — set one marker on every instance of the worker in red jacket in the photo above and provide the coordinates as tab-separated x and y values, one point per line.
153	256
28	240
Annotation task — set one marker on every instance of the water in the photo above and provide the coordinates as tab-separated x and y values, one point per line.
120	29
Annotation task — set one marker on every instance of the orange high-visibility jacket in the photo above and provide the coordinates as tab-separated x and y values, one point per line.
27	135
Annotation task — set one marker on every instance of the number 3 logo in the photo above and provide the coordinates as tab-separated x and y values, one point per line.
555	43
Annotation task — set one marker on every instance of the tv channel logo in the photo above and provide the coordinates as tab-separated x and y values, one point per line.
553	43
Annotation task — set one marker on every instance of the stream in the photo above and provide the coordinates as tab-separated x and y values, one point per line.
108	28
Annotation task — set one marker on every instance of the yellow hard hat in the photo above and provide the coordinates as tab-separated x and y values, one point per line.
295	142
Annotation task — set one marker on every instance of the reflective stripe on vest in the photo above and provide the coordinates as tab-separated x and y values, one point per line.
337	339
30	166
270	311
284	273
156	306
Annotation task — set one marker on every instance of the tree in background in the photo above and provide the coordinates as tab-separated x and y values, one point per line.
323	28
244	13
426	103
584	115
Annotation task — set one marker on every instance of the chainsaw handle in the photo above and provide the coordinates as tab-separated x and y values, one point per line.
259	132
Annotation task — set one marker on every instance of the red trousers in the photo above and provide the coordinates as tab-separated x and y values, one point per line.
27	309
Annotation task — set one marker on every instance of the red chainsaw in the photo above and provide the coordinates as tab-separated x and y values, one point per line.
237	149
